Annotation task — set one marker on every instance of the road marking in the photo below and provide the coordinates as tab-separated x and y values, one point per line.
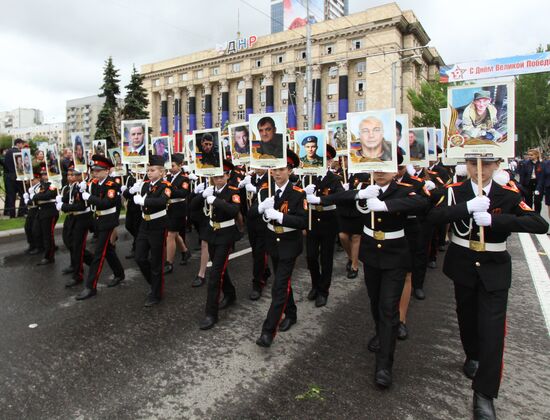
235	255
538	273
544	240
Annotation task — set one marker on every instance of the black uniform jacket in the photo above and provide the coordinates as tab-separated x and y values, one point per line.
45	200
73	202
131	207
257	224
509	214
325	221
156	200
348	207
180	187
105	196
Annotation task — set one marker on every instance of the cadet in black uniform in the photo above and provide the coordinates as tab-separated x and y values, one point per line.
102	194
133	212
321	239
286	216
32	226
153	198
68	223
47	217
482	273
221	234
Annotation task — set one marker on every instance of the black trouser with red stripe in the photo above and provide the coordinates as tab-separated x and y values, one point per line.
259	259
150	256
79	253
47	229
219	280
320	244
32	229
103	251
282	298
132	223
482	323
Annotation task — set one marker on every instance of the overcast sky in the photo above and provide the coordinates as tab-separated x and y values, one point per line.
54	50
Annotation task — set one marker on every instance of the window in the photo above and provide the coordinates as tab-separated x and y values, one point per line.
184	77
280	59
332	107
359	85
361	66
215	71
284	94
303	55
332	89
241	114
236	67
241	100
157	82
170	79
359	105
258	63
356	44
199	74
329	49
333	71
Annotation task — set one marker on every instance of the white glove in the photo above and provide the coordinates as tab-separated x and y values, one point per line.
461	170
250	188
501	177
26	197
273	214
136	188
479	203
246	181
429	185
200	188
482	218
85	195
210	199
139	200
537	192
346	186
83	186
410	170
375	204
123	188
58	199
268	203
58	206
193	177
186	169
371	191
310	189
208	191
313	199
31	195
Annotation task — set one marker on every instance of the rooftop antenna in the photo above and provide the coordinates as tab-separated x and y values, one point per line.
238	23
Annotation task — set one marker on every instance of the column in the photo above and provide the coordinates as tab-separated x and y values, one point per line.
290	78
192	109
163	114
207	105
178	146
268	86
317	115
249	98
343	104
224	91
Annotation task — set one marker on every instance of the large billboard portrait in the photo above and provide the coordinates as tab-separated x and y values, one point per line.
338	136
482	119
372	141
239	141
116	157
79	151
401	130
268	140
135	141
418	147
99	147
161	146
207	152
312	152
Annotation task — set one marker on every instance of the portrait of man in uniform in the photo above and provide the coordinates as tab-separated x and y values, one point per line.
416	145
309	156
161	147
271	142
479	118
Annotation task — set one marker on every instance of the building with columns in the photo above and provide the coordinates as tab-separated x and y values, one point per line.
363	61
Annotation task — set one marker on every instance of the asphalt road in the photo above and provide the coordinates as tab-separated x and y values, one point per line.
109	357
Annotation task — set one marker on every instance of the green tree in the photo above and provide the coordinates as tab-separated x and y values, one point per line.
533	110
6	141
108	120
432	96
135	102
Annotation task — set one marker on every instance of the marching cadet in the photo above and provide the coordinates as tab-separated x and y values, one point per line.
102	194
152	195
321	239
44	198
133	212
482	271
73	205
32	226
177	213
286	217
223	203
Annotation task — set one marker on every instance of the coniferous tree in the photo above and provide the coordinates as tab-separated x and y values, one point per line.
135	103
108	120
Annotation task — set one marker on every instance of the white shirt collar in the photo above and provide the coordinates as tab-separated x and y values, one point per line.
101	182
486	189
153	183
384	188
221	189
283	188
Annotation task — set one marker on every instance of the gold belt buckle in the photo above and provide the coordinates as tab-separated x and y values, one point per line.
477	246
279	229
319	208
147	217
216	226
379	235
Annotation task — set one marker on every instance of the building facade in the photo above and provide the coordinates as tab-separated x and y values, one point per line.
82	116
362	61
19	118
319	10
54	132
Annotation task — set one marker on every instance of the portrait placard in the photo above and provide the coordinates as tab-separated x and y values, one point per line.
79	151
338	135
313	160
268	140
432	144
401	133
99	147
189	147
161	146
18	163
116	157
27	163
208	153
53	166
418	147
239	141
444	119
135	141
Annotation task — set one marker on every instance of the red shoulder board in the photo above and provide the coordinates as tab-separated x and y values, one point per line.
511	187
168	192
167	183
95	181
426	191
404	184
147	180
416	178
231	187
264	185
109	183
295	188
456	184
524	206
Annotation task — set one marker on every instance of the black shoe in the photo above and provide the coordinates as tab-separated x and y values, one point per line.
255	294
115	281
374	344
151	301
419	294
265	340
286	324
483	407
185	257
35	251
267	273
29	251
85	294
46	261
168	267
72	282
208	322
352	274
402	331
130	256
67	270
348	265
312	295
226	302
320	300
432	264
470	368
383	378
441	248
198	282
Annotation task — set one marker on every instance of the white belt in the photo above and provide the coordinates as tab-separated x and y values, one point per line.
279	229
380	236
324	208
149	217
46	202
105	212
411	216
175	200
76	213
221	225
478	246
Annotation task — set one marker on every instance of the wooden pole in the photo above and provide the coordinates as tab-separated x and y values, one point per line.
344	169
309	207
480	193
372	213
269	182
